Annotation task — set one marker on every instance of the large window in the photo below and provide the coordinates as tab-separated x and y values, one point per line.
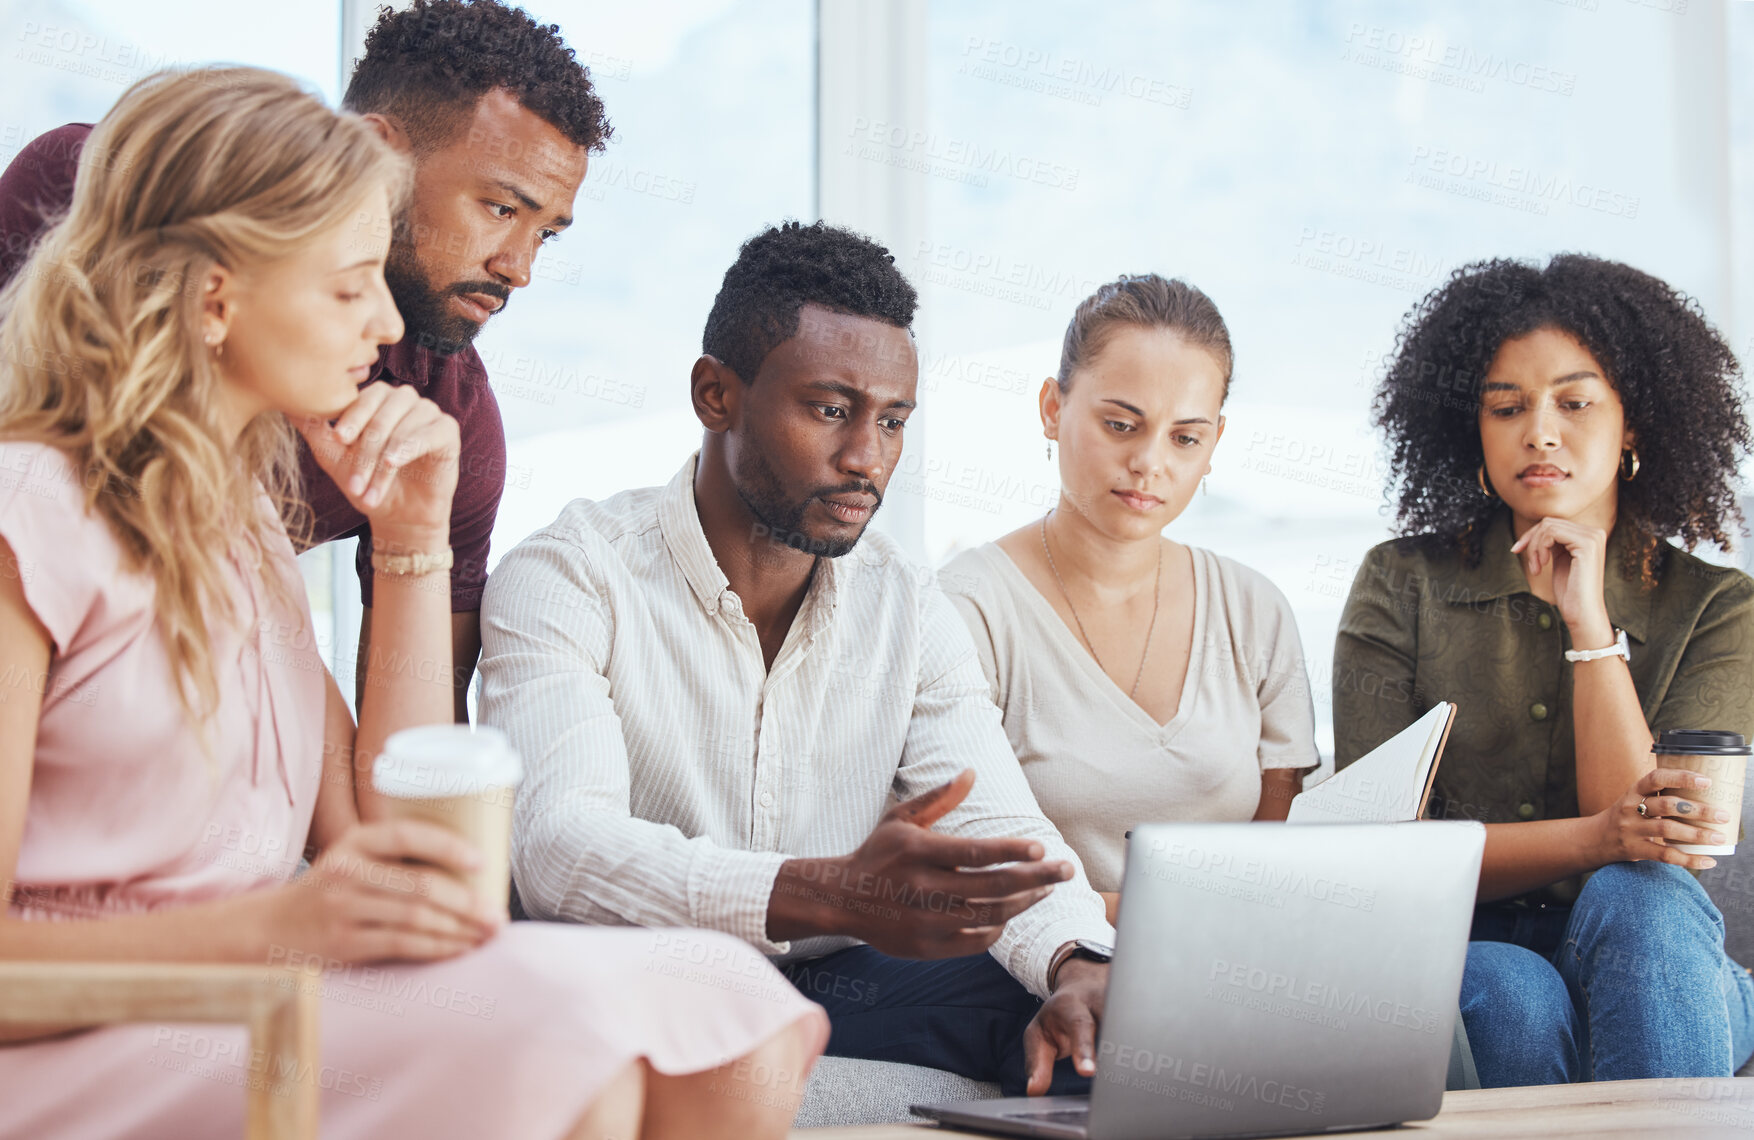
711	103
1316	169
712	106
67	62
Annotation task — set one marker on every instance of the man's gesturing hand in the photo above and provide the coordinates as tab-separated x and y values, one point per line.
910	892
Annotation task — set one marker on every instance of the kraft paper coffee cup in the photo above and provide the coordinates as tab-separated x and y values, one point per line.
460	778
1721	756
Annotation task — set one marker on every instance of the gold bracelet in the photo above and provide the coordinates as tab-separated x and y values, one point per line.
411	565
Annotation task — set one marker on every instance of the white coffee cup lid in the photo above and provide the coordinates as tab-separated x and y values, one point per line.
445	760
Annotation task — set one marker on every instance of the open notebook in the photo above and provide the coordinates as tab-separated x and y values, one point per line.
1388	785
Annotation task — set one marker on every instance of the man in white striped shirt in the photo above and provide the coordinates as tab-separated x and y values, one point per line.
719	685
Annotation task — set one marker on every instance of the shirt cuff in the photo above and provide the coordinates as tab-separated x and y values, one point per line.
1029	964
730	893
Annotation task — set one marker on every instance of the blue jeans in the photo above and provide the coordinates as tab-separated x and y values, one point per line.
1629	982
964	1015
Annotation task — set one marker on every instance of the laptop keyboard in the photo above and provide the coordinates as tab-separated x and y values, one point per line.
1053	1115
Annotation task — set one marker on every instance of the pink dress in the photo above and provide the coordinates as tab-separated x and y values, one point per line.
129	812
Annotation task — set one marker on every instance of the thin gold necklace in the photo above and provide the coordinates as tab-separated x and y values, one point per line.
1157	600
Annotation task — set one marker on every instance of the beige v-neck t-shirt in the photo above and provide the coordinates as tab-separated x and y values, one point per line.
1097	762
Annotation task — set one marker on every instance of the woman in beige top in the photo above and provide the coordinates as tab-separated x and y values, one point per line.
1141	680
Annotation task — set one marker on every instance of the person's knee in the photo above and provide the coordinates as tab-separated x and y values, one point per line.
1642	889
781	1065
1501	977
1642	912
1522	1026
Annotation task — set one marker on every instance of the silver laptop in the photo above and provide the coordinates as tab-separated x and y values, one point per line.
1271	980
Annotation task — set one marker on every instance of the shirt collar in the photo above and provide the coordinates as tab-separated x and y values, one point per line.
409	362
396	364
679	521
1500	575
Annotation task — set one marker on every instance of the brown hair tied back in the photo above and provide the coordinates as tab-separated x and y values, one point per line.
1150	302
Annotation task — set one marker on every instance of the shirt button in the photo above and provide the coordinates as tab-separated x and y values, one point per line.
1527	811
767	799
1545	621
1537	711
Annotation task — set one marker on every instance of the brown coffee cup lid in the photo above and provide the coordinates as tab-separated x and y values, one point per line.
1699	742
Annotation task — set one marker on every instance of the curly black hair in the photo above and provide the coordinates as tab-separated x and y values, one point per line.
783	268
1676	378
428	65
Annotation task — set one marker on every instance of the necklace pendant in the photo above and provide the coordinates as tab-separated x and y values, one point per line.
1150	631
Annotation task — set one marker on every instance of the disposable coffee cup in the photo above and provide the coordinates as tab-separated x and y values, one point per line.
460	778
1720	756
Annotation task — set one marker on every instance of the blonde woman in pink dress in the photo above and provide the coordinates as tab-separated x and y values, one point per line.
170	742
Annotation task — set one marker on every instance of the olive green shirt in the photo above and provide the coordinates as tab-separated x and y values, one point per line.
1420	627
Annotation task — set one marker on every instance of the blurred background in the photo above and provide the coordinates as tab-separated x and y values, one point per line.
1315	168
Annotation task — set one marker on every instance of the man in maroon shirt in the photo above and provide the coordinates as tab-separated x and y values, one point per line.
500	119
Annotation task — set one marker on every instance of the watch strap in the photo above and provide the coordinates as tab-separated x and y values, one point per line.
1092	949
1085	948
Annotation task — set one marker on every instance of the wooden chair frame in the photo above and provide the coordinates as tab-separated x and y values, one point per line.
280	1008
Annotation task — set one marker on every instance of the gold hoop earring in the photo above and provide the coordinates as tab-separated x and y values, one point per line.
1480	477
1628	474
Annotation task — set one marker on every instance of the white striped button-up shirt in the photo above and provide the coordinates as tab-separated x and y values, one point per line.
669	773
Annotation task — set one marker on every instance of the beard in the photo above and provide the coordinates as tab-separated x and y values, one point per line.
425	307
760	490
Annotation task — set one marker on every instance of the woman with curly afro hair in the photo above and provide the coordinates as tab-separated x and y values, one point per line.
1561	437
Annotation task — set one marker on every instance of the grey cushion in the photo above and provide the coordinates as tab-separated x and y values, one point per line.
1731	885
844	1091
